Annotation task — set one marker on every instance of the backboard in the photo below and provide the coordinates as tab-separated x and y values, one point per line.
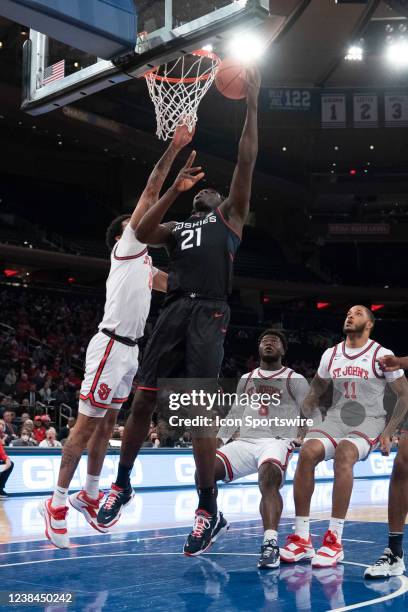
56	75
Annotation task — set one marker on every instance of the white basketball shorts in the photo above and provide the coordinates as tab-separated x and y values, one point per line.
333	430
109	372
245	456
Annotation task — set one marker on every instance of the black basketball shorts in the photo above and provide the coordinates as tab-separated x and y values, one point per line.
187	341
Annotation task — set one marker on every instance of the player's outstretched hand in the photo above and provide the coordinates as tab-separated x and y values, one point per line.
182	137
385	443
253	78
189	175
389	363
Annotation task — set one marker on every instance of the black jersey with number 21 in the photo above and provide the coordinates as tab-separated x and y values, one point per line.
202	252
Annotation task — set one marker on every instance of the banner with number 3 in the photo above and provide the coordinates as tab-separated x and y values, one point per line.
396	110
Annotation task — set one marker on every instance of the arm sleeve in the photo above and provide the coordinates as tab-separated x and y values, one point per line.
389	376
235	413
128	245
323	370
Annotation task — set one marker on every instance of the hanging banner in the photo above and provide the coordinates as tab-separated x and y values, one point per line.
334	111
365	110
396	110
288	99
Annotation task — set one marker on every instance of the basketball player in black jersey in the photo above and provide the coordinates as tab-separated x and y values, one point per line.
188	338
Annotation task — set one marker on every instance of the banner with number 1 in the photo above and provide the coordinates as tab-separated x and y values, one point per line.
334	111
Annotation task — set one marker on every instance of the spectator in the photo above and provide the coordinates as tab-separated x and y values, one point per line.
155	440
39	431
4	438
64	431
50	440
9	428
46	394
61	396
25	404
22	386
6	467
184	441
32	395
29	424
164	434
41	377
25	439
10	381
74	379
24	417
4	405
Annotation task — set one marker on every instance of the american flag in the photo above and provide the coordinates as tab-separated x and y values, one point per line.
54	72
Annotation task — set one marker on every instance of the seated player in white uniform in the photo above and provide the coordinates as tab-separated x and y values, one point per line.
265	446
112	356
355	424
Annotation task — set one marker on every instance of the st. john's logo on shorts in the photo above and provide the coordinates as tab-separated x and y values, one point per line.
104	391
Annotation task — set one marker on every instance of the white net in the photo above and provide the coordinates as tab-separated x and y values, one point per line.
177	89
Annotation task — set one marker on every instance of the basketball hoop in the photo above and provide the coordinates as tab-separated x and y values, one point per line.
177	88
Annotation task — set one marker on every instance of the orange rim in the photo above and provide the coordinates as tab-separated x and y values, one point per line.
199	53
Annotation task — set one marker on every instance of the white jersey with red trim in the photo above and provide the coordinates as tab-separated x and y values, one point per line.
129	287
357	377
258	418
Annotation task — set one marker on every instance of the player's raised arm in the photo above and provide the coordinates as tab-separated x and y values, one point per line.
236	207
400	388
150	229
151	192
391	363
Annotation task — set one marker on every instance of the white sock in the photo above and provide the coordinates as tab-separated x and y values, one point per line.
59	497
92	486
302	526
336	526
270	534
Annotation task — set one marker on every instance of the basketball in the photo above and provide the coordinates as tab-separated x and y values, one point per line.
231	79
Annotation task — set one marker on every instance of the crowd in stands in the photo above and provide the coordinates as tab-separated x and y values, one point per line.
44	336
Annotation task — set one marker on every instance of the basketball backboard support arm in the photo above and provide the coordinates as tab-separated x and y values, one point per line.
156	47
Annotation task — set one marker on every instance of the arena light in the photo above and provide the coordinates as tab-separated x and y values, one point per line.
246	47
397	54
355	54
9	272
322	305
375	307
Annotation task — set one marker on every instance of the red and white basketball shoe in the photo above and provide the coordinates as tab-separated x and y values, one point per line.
330	553
55	523
296	549
88	507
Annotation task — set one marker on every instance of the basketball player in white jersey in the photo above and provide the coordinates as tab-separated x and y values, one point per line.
391	562
264	447
355	425
112	356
